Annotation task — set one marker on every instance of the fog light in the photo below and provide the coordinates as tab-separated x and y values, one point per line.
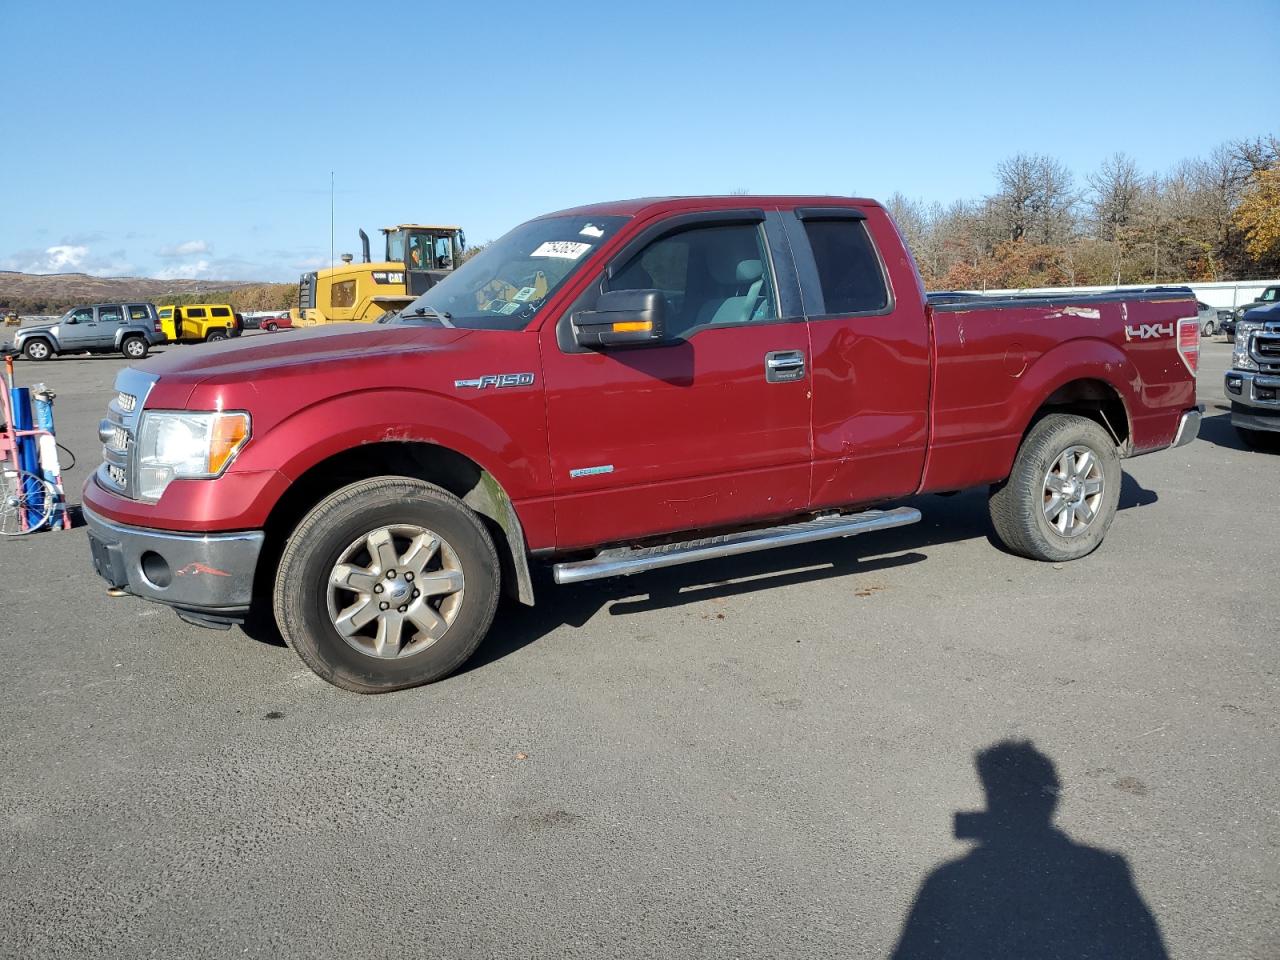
1234	385
156	570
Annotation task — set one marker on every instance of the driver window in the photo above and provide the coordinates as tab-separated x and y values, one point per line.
419	252
707	275
83	315
444	253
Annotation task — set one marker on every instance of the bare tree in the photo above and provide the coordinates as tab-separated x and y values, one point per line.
1114	193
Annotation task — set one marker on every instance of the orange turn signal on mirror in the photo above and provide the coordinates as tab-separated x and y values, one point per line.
230	431
634	326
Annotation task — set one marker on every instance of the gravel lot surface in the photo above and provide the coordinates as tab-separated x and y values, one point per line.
760	757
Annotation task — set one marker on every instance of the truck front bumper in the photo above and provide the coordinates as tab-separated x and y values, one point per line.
207	577
1255	399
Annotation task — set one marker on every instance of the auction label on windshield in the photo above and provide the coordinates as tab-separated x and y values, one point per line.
562	249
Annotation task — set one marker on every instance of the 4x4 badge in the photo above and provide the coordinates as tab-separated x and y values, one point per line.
497	380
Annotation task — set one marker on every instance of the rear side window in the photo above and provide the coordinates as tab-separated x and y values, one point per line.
848	268
219	312
195	313
110	314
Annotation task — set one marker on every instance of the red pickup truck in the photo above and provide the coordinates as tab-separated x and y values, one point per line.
611	389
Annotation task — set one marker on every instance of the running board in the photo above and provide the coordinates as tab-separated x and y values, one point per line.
625	561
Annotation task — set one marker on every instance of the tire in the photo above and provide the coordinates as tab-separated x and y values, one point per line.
1210	329
215	335
135	348
1021	506
37	349
337	539
271	327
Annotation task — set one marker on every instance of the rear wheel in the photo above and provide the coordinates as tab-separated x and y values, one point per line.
37	349
1062	492
215	335
388	583
135	348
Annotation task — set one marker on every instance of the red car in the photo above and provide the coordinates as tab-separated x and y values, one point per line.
270	324
611	389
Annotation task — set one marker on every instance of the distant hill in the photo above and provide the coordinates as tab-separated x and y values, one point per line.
56	292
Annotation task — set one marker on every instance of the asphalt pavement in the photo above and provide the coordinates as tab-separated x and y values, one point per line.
756	757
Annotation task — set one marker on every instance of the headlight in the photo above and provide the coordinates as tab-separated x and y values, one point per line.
1240	358
175	445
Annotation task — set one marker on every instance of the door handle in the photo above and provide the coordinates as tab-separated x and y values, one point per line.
784	366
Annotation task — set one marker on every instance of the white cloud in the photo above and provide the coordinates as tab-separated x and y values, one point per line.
68	258
188	249
191	270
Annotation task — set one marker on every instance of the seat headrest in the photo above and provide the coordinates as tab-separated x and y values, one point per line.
749	271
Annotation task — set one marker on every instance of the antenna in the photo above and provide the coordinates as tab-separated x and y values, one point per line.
330	219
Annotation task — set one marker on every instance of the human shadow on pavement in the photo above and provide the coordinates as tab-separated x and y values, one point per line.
1027	889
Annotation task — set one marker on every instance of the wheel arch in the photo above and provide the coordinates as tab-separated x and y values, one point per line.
1090	378
48	338
455	472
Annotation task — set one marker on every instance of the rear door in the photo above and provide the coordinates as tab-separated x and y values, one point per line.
701	430
193	323
870	343
110	319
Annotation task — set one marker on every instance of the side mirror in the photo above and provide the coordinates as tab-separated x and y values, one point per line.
622	318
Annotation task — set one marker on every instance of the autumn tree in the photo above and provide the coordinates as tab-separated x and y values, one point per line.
1258	215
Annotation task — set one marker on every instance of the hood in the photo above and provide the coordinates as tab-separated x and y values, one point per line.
25	329
1262	314
248	358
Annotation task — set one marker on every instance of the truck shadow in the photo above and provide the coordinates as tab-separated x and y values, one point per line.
949	519
946	520
1218	430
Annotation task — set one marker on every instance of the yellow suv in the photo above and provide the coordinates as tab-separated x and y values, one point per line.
197	322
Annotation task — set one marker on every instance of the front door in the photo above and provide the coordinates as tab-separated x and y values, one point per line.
709	428
77	330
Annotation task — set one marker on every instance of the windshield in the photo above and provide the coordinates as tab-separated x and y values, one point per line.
504	285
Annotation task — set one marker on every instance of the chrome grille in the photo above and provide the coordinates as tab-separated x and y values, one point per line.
119	430
1266	348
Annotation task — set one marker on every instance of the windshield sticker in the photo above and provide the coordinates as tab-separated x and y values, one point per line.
562	249
509	308
591	230
524	293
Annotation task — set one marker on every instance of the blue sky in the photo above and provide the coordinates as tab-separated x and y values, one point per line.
170	139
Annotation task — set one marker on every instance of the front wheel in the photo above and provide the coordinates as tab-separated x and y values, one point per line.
1210	328
1062	492
388	583
135	348
272	327
37	350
